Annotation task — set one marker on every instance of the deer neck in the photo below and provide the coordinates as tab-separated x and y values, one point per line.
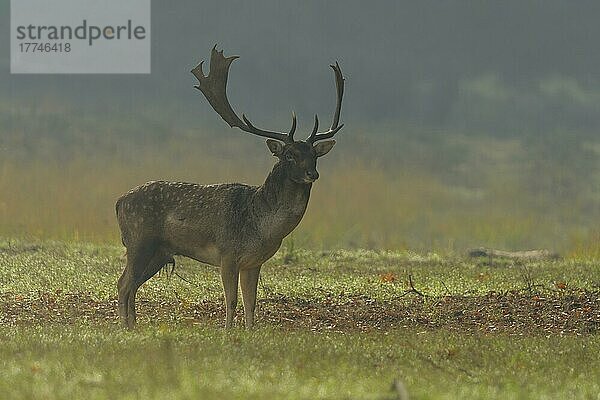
280	203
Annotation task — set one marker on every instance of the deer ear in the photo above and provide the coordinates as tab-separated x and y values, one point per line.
275	146
323	148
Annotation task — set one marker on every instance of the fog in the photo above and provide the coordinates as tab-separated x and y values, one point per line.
466	123
498	68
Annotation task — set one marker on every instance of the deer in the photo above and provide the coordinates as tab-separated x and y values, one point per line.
233	226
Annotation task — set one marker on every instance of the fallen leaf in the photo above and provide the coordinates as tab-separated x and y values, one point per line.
560	285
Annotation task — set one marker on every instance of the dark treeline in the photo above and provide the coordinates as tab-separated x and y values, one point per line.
502	68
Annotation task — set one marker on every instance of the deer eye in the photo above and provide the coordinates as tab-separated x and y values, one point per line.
290	157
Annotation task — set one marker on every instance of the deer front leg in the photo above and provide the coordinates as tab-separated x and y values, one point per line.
249	282
230	276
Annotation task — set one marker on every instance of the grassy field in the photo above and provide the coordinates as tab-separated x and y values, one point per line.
370	294
331	325
61	170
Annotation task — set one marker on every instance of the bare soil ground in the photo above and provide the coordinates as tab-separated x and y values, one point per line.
516	312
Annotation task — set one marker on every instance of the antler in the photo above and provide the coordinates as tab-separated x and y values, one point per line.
339	84
214	88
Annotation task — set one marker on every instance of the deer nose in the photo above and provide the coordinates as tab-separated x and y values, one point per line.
313	175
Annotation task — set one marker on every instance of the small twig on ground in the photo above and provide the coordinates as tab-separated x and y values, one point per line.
445	369
412	288
400	390
526	275
448	293
185	280
530	284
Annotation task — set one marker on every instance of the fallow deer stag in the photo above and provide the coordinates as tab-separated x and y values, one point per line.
234	226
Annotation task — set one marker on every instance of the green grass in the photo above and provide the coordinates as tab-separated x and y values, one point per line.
169	357
93	269
178	362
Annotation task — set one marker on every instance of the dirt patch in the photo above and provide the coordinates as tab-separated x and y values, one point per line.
576	312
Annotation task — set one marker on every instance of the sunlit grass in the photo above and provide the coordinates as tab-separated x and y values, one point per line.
195	362
33	267
173	358
61	172
354	204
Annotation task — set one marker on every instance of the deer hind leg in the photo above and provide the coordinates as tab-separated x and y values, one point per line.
229	277
249	283
138	262
124	288
158	260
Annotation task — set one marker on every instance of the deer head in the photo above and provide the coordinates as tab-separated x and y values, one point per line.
299	156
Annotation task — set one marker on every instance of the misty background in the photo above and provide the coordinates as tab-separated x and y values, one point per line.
467	123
